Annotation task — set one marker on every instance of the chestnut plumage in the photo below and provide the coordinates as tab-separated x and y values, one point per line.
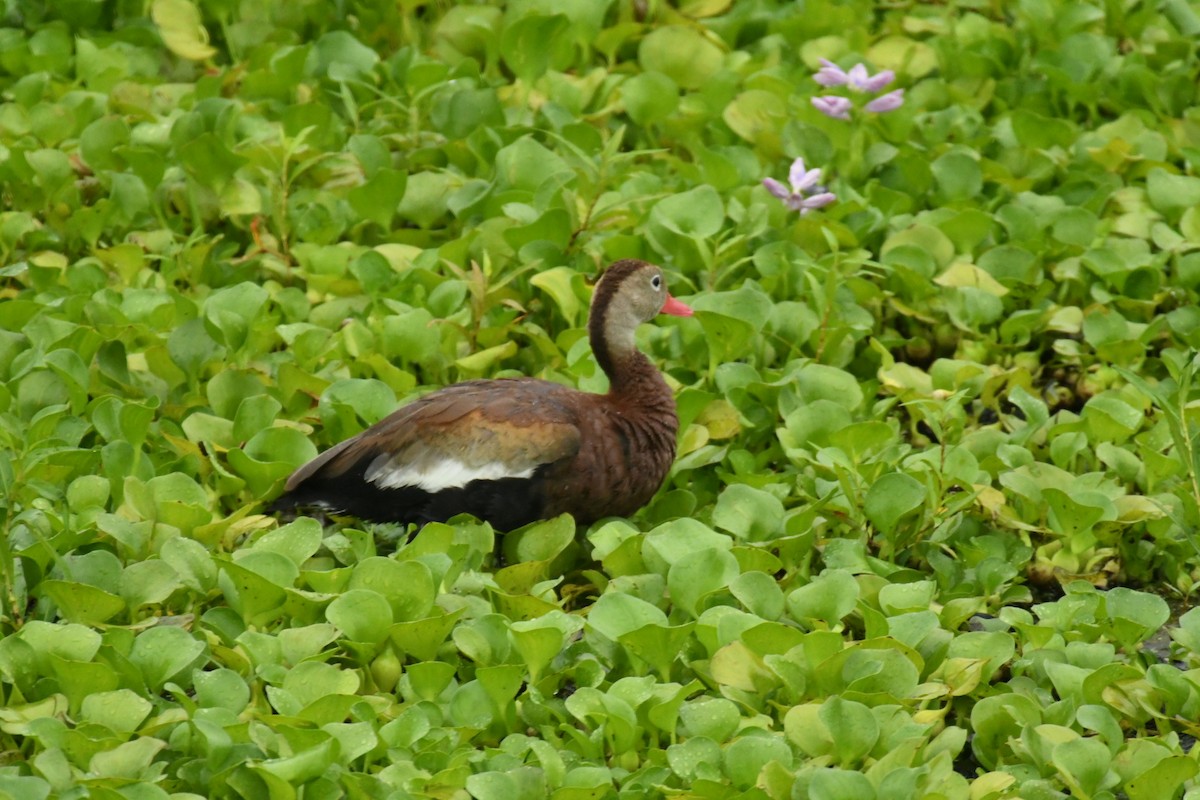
514	450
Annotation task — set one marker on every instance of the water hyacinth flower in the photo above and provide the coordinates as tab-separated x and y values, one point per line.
859	79
833	106
801	181
886	102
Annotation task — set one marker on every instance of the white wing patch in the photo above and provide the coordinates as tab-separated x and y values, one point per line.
434	476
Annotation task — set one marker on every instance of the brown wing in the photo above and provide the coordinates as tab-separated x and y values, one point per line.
510	425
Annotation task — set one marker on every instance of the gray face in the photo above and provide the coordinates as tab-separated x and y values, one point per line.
644	293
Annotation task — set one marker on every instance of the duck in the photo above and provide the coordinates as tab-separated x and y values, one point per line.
511	451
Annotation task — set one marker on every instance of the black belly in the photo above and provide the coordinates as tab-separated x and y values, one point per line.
506	503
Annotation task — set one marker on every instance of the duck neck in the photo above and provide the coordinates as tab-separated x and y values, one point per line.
613	343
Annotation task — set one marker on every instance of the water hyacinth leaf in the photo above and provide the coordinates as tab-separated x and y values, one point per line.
1134	615
361	614
714	718
749	513
539	641
759	593
1163	779
379	196
828	598
958	176
301	767
822	382
698	574
221	688
70	642
826	783
697	213
484	640
532	44
128	761
1170	193
429	679
526	164
745	757
121	711
254	414
682	54
310	681
657	645
1069	515
891	498
25	786
408	586
1110	418
209	161
82	603
673	540
423	637
886	668
163	652
426	197
564	286
297	541
270	456
255	598
1083	765
697	757
487	359
339	56
756	116
852	729
650	97
149	582
615	615
492	786
728	337
542	541
179	24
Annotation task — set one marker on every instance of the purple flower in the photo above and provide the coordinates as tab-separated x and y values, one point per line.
886	102
833	106
858	78
801	182
831	74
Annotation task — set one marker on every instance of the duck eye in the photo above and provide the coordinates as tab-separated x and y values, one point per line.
656	281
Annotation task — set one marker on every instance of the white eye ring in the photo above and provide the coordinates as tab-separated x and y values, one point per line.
656	281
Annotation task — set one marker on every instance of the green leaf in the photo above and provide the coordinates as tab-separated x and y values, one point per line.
958	176
533	43
208	159
379	196
697	213
835	784
749	513
891	498
829	598
339	56
698	574
1170	193
1083	765
121	711
163	652
682	54
650	97
361	614
78	602
180	26
614	615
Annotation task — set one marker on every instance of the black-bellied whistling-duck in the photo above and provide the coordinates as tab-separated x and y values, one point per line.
514	450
